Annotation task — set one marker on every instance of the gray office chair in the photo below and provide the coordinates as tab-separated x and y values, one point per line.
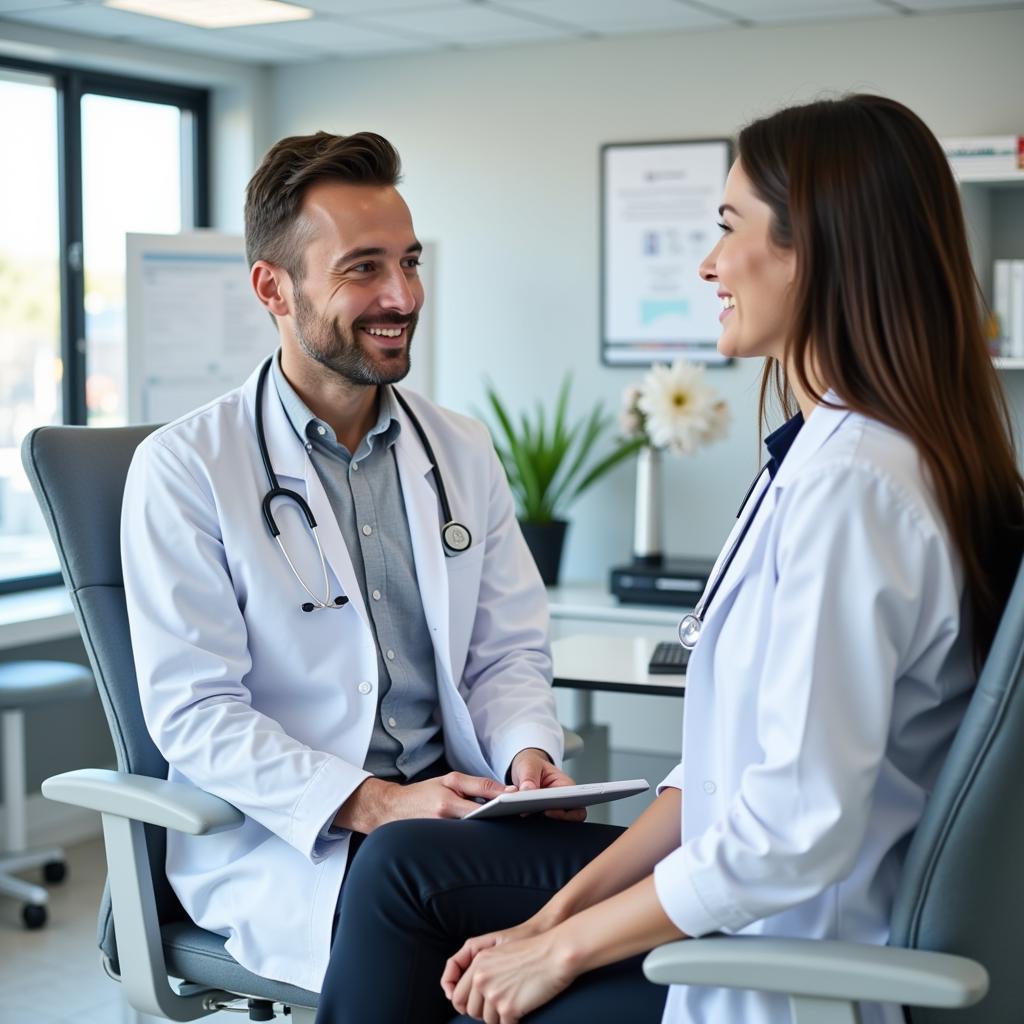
78	476
956	923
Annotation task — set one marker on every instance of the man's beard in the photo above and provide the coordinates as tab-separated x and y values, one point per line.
339	349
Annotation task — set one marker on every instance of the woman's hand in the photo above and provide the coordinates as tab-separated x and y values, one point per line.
459	963
505	982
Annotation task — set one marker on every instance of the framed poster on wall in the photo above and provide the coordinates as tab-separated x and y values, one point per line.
659	214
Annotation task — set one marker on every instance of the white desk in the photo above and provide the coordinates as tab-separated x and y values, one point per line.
36	616
589	662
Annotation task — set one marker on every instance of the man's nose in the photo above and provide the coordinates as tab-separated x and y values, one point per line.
399	293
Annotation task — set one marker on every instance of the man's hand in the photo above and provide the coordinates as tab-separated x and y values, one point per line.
532	769
376	802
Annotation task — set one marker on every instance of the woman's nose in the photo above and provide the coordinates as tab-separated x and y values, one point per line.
707	266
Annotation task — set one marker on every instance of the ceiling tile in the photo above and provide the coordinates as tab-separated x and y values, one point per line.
96	20
330	36
225	44
347	7
465	24
8	6
768	11
924	6
615	16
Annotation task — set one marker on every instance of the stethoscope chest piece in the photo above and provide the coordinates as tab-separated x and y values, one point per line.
689	631
455	537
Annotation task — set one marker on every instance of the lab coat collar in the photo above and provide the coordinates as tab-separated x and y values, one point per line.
818	428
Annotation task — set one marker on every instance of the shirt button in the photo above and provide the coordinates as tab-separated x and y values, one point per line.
367	530
391	654
321	431
309	447
392	723
355	467
376	595
709	787
365	687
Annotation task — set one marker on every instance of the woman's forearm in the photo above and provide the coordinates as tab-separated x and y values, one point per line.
630	922
652	837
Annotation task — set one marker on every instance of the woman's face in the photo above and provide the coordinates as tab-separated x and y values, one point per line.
754	277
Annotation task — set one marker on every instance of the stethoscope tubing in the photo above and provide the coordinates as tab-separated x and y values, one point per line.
455	537
690	625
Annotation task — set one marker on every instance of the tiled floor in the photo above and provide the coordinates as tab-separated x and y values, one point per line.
53	974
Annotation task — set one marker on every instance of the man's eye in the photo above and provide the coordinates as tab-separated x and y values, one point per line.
363	268
412	263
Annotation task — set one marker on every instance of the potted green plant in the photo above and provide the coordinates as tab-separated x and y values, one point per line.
550	462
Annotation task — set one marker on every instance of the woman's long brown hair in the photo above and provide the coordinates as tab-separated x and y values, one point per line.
887	313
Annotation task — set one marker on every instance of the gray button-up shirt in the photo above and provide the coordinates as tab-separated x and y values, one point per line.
366	497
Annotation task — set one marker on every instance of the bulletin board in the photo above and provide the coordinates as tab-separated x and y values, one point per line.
659	214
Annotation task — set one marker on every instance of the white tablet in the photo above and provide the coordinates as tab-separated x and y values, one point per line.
558	798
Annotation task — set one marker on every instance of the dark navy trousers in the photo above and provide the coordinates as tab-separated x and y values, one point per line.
416	890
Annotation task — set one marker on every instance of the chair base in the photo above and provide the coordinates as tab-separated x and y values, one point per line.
17	888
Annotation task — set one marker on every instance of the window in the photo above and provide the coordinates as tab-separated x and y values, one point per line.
99	156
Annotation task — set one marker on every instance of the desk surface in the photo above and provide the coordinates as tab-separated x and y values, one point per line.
618	663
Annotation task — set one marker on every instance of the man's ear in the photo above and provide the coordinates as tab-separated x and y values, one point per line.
272	286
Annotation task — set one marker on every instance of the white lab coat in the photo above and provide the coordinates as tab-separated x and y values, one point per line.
272	708
832	671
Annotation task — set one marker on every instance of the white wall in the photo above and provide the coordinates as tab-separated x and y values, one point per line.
501	155
239	119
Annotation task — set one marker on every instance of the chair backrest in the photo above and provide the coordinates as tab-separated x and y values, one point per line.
962	890
78	475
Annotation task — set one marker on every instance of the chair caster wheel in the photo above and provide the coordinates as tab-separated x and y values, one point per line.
55	871
34	915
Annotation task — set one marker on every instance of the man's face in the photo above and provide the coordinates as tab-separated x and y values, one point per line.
356	308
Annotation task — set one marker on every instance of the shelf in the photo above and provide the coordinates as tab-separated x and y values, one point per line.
995	179
1008	363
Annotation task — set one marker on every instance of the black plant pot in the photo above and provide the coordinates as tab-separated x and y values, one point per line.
545	541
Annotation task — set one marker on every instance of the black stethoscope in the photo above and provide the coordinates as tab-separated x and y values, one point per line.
455	537
690	625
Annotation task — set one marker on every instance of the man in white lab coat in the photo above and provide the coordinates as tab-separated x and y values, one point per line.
327	682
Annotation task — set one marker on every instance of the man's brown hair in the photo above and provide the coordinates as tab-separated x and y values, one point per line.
273	197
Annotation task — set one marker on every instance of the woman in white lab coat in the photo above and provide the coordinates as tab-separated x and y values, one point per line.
848	614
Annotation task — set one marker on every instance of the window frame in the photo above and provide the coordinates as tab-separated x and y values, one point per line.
71	85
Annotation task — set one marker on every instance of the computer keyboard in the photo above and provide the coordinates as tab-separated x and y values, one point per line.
669	658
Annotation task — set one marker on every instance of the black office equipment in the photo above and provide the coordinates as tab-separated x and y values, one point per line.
669	658
675	581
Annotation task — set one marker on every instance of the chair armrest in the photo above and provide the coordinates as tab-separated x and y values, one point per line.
141	798
573	744
820	969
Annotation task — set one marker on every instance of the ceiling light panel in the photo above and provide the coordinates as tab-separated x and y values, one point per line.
215	13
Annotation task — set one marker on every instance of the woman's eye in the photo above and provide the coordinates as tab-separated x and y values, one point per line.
724	227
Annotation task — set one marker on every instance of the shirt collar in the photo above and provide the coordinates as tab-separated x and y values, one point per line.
778	442
308	427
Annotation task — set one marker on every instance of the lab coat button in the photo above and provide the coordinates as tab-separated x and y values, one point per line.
709	787
365	687
367	530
